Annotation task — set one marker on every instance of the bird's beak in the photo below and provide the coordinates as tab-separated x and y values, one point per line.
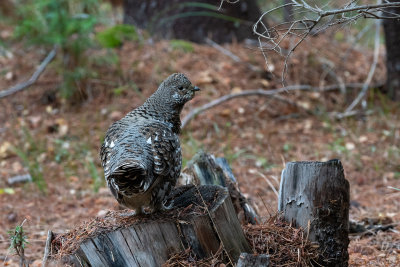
196	88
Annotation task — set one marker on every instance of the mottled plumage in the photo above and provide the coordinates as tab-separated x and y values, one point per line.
141	153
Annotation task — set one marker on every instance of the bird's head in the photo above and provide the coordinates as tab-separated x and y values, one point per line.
178	89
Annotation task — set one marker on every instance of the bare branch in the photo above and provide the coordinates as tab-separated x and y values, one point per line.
228	1
229	54
314	19
223	50
268	93
371	71
33	78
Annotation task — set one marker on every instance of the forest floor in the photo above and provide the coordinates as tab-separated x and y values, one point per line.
257	135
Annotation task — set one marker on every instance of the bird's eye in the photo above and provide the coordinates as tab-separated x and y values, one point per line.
180	87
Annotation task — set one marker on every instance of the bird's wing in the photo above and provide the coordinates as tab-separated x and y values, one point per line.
165	148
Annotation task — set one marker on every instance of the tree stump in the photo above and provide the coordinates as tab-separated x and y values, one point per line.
202	219
205	169
315	196
249	260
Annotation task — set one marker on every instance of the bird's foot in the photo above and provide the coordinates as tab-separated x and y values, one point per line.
162	207
136	212
128	214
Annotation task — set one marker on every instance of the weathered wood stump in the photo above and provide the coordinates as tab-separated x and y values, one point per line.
205	169
315	196
202	219
249	260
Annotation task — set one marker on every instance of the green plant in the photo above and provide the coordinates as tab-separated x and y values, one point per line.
18	242
124	88
190	147
94	174
182	45
29	151
61	152
287	147
208	10
338	146
67	24
7	190
114	36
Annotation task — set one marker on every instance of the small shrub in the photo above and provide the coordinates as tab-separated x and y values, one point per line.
29	151
67	24
18	243
97	179
184	46
116	35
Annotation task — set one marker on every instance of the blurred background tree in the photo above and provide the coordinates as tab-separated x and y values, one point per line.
194	20
392	41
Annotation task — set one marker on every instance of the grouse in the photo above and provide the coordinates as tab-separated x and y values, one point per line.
141	153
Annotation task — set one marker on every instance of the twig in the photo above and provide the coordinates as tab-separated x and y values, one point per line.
229	53
370	73
225	98
33	78
269	183
228	1
223	50
268	93
19	179
391	187
351	113
313	22
47	248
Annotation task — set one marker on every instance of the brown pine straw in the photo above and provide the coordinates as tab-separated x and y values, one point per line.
286	245
187	259
67	243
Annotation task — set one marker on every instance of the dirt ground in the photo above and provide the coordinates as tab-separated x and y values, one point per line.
258	135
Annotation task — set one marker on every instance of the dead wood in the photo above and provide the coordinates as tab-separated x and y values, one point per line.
205	169
33	78
315	196
202	219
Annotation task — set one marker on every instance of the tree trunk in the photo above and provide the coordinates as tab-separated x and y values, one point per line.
392	36
315	196
202	219
288	14
194	20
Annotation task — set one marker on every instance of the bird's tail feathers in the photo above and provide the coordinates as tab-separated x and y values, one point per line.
131	178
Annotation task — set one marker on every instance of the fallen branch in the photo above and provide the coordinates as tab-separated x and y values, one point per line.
223	50
371	70
229	54
33	78
228	97
269	93
47	248
19	179
351	113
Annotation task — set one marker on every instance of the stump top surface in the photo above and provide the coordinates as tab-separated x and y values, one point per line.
185	201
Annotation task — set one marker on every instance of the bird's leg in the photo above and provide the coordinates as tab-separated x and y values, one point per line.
138	211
